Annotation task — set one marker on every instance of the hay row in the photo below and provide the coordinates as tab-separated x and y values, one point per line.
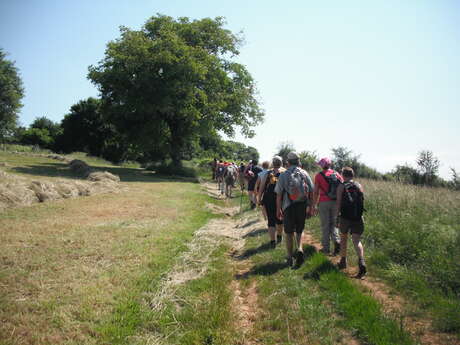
16	191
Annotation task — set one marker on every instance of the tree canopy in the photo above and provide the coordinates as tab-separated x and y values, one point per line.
166	84
11	93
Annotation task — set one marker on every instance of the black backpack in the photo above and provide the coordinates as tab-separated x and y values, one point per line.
352	206
333	182
270	182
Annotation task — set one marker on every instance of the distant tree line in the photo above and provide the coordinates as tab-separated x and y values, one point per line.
425	173
166	92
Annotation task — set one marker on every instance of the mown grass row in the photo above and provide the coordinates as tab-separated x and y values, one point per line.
412	239
315	303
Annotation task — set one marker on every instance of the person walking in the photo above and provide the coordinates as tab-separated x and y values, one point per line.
265	167
293	196
267	198
350	205
230	176
252	173
324	198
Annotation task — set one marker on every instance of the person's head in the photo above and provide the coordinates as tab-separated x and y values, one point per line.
293	158
266	165
277	162
254	162
348	173
325	163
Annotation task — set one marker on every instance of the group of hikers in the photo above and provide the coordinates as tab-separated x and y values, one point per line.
288	196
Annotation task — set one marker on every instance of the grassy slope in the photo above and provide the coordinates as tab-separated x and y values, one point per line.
411	239
70	268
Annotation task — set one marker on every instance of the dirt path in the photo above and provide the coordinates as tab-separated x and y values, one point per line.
419	327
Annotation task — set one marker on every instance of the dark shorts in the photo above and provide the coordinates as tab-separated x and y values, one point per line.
294	217
251	185
270	206
351	226
230	180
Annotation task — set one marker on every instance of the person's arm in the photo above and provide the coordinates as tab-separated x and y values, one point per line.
316	192
256	187
261	190
279	211
340	190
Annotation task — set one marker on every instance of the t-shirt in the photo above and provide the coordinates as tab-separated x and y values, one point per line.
256	170
282	185
323	185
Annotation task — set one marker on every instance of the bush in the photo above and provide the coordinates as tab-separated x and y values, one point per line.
169	169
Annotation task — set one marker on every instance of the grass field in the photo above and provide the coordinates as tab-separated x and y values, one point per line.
69	268
412	240
129	268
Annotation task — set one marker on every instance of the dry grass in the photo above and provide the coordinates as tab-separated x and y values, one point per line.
62	263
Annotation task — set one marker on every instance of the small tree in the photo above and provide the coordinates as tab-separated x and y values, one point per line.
455	181
11	93
342	157
428	166
284	148
309	160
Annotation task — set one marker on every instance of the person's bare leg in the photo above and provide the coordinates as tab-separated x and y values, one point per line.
343	244
298	238
272	233
358	246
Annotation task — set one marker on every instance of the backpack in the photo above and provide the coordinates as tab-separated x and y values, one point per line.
352	206
271	181
297	187
220	171
333	182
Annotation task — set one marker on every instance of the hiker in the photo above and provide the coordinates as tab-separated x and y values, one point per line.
324	198
230	176
265	166
293	196
252	173
350	205
241	178
267	198
220	171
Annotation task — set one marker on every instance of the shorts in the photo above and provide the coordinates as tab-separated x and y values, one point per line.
351	226
294	217
270	206
251	185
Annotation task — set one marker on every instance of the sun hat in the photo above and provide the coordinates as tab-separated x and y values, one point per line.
324	162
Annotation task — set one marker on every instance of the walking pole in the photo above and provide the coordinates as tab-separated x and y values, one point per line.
241	197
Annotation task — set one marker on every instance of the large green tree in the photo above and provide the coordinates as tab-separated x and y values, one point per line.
163	85
11	93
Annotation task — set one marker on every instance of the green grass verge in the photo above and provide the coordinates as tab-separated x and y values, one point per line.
129	313
412	240
318	302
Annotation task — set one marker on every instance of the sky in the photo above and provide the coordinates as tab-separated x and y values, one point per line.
381	78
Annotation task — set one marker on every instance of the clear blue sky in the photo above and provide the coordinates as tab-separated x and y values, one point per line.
379	77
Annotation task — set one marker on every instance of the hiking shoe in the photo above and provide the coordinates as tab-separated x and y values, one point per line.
336	249
289	262
299	258
362	271
253	206
273	244
342	263
279	238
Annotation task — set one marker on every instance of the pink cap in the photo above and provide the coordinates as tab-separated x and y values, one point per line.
324	162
